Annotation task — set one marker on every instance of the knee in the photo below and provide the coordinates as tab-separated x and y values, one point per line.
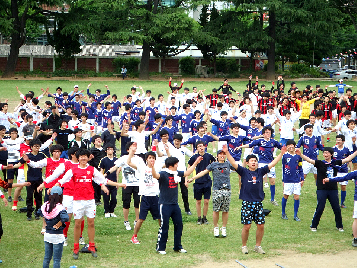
198	202
90	223
206	202
260	227
246	227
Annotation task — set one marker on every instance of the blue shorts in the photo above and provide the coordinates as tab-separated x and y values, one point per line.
354	160
149	203
200	189
252	211
214	130
283	141
64	154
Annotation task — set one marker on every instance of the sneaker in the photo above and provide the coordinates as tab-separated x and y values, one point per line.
29	218
204	220
224	231
94	254
274	203
181	250
81	241
342	205
14	208
113	215
296	218
75	255
266	185
340	229
65	244
199	221
216	231
259	250
21	199
328	140
135	223
313	229
245	250
284	217
354	242
189	213
127	225
9	199
135	240
162	252
37	217
107	215
43	231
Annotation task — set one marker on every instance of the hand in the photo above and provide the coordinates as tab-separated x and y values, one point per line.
283	150
39	188
297	151
106	86
5	201
58	225
225	148
25	157
182	81
54	135
354	139
302	183
166	148
89	85
10	166
105	189
170	79
325	180
199	159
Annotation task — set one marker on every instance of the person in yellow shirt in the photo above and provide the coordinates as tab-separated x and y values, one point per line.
304	105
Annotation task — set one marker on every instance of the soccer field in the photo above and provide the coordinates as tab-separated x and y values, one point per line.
22	244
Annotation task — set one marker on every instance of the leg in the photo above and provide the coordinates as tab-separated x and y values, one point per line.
333	199
10	189
259	234
126	214
205	207
354	228
245	234
138	226
283	204
113	199
48	255
29	200
91	229
321	202
184	194
57	255
38	197
296	204
136	198
198	208
178	226
165	212
77	230
106	200
216	218
272	189
343	194
224	219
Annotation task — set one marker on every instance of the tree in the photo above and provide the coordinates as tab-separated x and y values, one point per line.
15	16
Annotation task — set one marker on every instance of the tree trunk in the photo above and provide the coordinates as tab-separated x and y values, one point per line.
214	65
282	63
13	57
144	63
271	44
163	69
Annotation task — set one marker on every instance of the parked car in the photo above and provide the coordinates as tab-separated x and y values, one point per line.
345	74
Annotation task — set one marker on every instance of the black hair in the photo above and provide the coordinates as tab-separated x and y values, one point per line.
142	113
173	107
109	145
268	128
152	98
75	112
13	129
252	119
157	116
250	157
308	125
235	125
72	151
107	104
28	116
35	142
342	137
319	113
48	103
127	146
129	96
77	130
84	115
163	132
95	137
53	200
160	95
289	142
114	96
148	154
223	113
348	112
286	112
171	161
260	121
196	112
220	104
198	143
138	123
329	149
185	106
127	107
2	127
178	137
350	122
56	147
98	90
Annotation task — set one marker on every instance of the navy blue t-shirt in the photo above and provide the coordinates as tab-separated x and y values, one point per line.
168	188
106	163
252	183
207	159
33	174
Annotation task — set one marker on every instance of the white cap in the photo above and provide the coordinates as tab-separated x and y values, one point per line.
75	85
175	84
341	80
29	137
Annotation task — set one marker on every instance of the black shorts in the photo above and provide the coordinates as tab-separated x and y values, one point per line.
149	203
200	189
126	196
252	211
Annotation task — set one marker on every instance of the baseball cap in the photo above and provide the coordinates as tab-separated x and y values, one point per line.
75	86
219	151
56	190
29	137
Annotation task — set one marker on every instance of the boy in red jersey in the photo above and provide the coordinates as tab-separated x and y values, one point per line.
83	196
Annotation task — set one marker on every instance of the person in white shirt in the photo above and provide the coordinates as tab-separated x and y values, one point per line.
255	97
287	124
6	119
161	105
248	107
87	129
146	99
135	95
163	149
74	122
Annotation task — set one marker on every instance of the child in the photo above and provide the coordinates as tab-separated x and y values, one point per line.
293	178
56	217
221	193
168	201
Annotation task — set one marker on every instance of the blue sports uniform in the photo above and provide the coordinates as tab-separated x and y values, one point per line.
311	146
266	149
185	121
195	138
233	143
106	115
152	112
292	168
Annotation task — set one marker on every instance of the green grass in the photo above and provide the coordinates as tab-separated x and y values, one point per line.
22	244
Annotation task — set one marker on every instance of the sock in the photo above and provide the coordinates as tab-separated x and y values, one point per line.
283	205
65	230
15	203
34	203
76	248
91	246
328	139
82	227
296	207
272	192
343	197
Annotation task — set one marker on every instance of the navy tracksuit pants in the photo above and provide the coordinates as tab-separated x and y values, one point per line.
172	211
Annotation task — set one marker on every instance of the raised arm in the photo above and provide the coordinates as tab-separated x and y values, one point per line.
229	157
199	175
278	158
192	168
349	158
304	157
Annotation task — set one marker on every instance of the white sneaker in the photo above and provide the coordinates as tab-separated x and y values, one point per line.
266	185
162	252
224	231
81	241
107	215
65	244
181	250
340	229
127	225
135	223
113	215
245	250
216	231
14	208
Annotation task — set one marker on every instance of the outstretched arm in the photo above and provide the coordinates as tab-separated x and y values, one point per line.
349	158
229	157
192	168
199	175
278	158
307	159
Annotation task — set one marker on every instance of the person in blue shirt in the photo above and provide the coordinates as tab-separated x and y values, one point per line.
266	147
115	105
293	178
186	118
252	195
169	179
195	121
222	126
340	87
107	114
152	109
126	116
77	103
200	136
170	129
128	100
136	110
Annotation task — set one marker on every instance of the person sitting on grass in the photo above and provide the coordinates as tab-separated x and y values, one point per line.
221	194
252	195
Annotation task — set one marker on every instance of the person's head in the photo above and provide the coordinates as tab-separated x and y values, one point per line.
56	197
150	158
35	145
164	135
340	140
290	146
270	109
287	114
78	133
197	114
160	97
177	140
74	114
72	153
142	115
83	156
139	125
312	118
214	91
308	128
327	153
114	97
351	124
348	92
252	162
108	105
148	93
157	117
133	90
235	128
13	133
201	129
63	124
127	107
29	118
186	107
224	115
2	130
267	132
219	106
171	163
138	103
99	105
253	122
97	140
129	98
260	122
152	101
186	90
56	151
109	149
201	147
84	117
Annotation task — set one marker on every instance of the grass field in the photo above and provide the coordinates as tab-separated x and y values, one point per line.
22	243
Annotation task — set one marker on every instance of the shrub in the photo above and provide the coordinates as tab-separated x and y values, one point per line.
187	65
131	64
227	65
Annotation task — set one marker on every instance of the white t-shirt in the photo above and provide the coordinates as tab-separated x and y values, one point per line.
180	154
130	175
148	185
86	130
161	160
139	138
73	123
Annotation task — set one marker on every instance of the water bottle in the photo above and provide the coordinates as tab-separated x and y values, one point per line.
73	266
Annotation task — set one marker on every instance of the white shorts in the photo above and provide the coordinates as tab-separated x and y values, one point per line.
186	136
116	118
355	210
67	202
326	123
220	144
20	176
292	188
271	174
84	208
341	175
308	167
334	113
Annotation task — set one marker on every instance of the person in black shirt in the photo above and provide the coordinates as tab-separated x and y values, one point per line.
225	87
62	137
110	135
54	118
327	168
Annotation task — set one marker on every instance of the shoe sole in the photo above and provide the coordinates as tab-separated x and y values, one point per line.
75	256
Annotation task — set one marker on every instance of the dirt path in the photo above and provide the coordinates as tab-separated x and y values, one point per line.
290	259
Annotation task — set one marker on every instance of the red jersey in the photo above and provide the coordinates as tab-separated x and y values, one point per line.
68	187
327	109
50	167
24	149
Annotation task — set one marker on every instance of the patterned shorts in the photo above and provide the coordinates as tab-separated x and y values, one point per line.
221	200
252	211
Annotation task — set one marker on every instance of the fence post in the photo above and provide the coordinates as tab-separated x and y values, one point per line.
97	64
31	63
53	64
159	65
75	63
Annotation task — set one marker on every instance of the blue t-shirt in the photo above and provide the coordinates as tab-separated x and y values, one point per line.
233	143
185	121
135	112
340	155
266	149
207	159
116	105
292	168
168	188
223	127
106	163
341	88
152	112
172	131
195	138
106	115
311	146
252	183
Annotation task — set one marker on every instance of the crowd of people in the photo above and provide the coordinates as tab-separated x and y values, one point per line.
72	150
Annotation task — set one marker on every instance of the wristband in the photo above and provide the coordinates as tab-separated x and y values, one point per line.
2	196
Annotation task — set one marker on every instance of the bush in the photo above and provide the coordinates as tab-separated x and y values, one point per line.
131	64
227	65
187	65
299	69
